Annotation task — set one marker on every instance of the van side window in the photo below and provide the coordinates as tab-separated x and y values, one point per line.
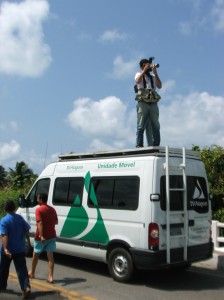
114	192
197	194
68	191
41	186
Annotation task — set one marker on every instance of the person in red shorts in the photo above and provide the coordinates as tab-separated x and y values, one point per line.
45	236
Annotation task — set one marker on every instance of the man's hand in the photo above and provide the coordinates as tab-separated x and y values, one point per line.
7	253
146	68
154	69
42	239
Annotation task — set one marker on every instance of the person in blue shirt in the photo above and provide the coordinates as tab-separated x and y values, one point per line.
13	230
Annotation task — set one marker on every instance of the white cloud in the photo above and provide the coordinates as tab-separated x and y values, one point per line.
196	119
168	86
84	36
54	157
98	145
23	51
203	20
14	125
112	35
122	69
218	14
102	119
186	28
32	158
9	150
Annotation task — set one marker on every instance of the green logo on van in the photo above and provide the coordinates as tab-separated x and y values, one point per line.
77	221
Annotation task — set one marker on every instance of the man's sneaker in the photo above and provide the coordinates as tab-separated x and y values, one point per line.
26	293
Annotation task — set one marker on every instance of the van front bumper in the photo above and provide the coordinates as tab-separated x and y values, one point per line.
147	259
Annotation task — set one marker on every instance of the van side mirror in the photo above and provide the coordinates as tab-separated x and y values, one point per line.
22	201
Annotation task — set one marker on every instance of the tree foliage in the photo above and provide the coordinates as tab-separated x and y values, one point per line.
3	179
14	182
213	158
21	176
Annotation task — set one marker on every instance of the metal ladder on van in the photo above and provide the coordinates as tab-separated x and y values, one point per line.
184	235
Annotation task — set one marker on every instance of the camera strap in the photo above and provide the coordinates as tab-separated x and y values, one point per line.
151	81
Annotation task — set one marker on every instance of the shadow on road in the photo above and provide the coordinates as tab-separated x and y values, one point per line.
81	264
67	280
195	279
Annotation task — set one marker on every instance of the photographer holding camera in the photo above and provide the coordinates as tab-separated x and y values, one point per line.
147	108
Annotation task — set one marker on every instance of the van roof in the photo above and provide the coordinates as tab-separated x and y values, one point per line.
145	151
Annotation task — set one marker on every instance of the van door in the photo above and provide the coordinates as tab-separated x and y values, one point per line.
189	225
198	208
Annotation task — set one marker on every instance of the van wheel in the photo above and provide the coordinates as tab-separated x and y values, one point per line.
120	265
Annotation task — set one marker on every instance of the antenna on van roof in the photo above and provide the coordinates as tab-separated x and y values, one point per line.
45	158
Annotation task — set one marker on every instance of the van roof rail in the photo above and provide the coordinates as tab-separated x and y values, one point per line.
144	151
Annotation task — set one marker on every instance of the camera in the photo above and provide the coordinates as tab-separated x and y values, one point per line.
150	62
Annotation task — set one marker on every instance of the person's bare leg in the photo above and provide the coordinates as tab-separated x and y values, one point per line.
50	256
34	264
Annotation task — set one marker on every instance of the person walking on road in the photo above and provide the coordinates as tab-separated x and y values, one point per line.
45	236
14	229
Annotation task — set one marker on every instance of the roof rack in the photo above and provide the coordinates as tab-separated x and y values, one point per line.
158	151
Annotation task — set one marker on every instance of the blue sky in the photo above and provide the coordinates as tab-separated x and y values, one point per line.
67	73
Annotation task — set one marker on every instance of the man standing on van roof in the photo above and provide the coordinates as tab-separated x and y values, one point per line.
45	236
147	112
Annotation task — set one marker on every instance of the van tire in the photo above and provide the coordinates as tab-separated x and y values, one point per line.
120	265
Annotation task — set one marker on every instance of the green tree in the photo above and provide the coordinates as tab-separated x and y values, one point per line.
213	158
21	176
3	179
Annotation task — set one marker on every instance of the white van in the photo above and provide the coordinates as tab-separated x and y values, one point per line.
145	208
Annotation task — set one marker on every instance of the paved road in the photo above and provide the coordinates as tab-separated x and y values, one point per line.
215	263
82	279
41	290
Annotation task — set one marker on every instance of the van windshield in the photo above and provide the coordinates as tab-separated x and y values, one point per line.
41	186
197	194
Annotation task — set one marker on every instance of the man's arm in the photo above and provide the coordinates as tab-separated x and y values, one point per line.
140	76
158	81
56	220
5	245
27	235
55	217
40	228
